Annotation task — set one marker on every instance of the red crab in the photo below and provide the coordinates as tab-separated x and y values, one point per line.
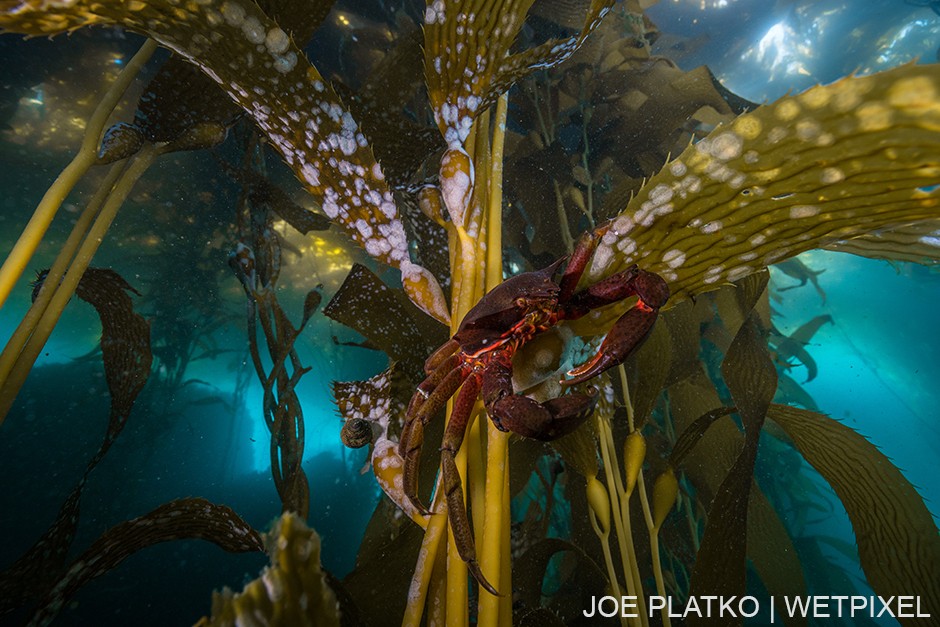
479	358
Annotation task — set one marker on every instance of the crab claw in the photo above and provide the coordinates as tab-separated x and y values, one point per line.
522	415
630	330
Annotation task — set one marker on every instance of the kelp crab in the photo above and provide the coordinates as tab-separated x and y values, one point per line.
478	359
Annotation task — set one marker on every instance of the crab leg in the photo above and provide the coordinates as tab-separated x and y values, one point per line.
453	486
412	435
630	330
522	415
428	386
439	356
578	262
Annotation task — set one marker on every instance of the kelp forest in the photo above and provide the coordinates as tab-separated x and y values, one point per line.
527	259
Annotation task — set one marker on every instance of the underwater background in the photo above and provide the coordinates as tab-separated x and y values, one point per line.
196	428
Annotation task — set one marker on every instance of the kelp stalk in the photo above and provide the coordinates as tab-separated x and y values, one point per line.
24	361
38	224
597	498
635	484
494	550
53	278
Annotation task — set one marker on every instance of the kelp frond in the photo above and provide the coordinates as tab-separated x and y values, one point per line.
830	164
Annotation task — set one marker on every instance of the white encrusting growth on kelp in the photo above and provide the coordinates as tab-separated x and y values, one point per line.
234	42
749	195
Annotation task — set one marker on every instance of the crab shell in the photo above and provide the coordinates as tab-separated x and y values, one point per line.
502	308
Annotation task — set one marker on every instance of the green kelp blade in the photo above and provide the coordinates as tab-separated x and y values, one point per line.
401	144
804	334
387	319
735	303
530	569
771	550
789	392
293	590
467	64
898	541
384	565
692	434
653	360
191	518
125	348
918	242
258	65
721	562
708	464
125	341
835	162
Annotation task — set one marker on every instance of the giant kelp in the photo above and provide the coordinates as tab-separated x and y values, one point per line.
848	165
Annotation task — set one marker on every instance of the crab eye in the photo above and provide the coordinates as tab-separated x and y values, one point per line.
520	302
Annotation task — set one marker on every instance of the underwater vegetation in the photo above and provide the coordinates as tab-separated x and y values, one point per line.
543	204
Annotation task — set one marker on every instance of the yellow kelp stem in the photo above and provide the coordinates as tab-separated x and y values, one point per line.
24	362
494	545
27	325
35	229
476	267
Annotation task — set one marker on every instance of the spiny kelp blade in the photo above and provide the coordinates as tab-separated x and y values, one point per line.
772	552
530	568
748	292
749	372
260	68
466	56
401	145
386	318
692	434
125	342
384	565
898	541
292	590
792	176
684	333
299	18
919	242
721	562
38	568
525	454
549	53
579	449
653	362
708	464
182	519
734	305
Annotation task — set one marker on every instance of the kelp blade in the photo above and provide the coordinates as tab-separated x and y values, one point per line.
258	65
898	541
835	162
